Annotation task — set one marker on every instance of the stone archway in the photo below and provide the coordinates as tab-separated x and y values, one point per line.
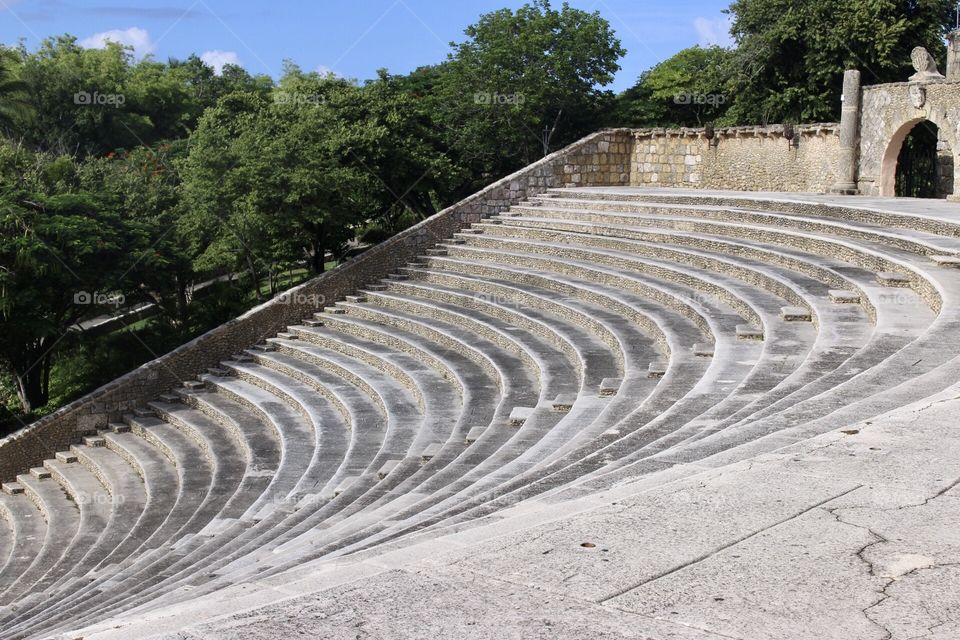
888	166
945	163
878	118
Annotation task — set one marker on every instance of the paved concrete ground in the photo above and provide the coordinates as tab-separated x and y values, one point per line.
850	535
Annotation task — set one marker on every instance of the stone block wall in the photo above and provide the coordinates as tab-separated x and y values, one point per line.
889	113
601	159
738	158
946	166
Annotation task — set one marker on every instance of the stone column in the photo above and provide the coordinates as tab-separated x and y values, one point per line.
953	56
849	132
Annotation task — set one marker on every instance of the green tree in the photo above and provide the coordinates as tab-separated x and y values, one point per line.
221	223
57	255
79	96
315	178
417	174
94	101
143	186
688	89
159	95
13	104
526	82
791	55
270	182
206	88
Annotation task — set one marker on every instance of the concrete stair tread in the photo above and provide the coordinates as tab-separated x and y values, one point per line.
61	519
933	220
822	225
251	483
798	285
162	484
27	531
554	365
95	507
590	348
694	243
726	230
671	324
452	336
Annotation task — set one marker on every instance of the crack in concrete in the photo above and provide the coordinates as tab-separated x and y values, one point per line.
884	596
940	623
563	595
944	491
871	567
933	616
724	547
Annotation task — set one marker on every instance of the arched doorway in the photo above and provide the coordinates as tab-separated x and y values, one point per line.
918	162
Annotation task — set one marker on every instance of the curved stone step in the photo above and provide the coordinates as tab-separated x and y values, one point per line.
873	256
126	499
362	443
199	480
931	221
167	510
682	362
555	366
699	271
8	533
204	486
28	530
96	507
230	456
590	346
62	516
601	351
516	366
912	233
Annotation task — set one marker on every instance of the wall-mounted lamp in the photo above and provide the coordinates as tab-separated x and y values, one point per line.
710	134
790	134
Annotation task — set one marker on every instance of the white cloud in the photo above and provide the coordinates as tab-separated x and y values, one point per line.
135	37
219	59
324	70
711	31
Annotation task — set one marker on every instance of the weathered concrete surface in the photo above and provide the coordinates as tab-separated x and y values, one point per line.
849	535
636	541
449	607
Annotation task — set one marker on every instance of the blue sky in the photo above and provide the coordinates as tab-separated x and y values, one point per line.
352	38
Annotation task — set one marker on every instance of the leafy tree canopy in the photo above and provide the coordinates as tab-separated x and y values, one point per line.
791	56
525	82
688	89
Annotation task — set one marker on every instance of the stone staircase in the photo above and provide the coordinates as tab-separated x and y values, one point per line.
584	339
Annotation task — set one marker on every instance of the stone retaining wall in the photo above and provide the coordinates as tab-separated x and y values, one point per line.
738	158
601	159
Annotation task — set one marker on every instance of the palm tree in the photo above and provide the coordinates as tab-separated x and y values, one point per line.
13	91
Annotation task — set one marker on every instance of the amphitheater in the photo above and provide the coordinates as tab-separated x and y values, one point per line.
605	397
